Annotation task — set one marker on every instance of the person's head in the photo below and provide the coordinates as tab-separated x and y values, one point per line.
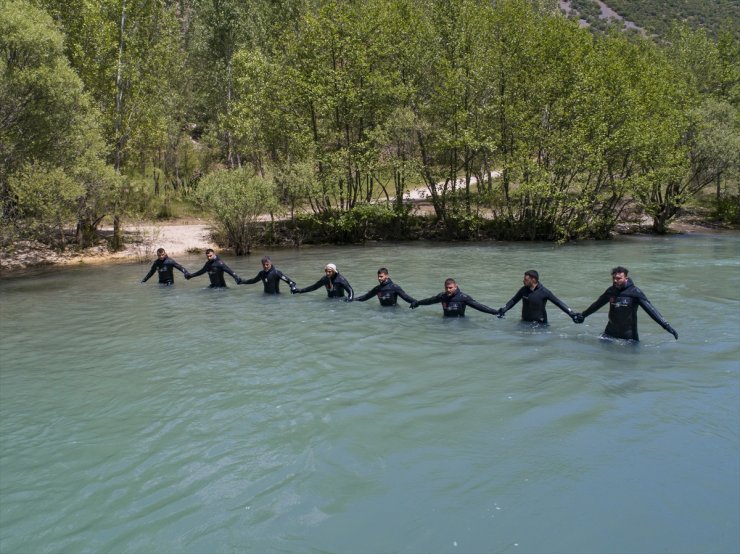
161	253
266	263
619	276
210	254
531	278
330	270
382	275
450	285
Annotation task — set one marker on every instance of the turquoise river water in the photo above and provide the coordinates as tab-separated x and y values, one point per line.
135	418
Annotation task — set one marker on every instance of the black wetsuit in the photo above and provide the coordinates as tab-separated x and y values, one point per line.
216	269
533	303
623	305
164	268
271	280
454	305
387	293
335	287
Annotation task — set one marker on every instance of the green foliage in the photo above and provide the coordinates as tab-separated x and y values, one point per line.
237	198
47	199
362	223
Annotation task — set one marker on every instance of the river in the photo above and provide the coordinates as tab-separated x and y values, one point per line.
135	418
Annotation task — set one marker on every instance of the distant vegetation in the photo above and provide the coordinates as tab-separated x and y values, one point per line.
518	123
657	17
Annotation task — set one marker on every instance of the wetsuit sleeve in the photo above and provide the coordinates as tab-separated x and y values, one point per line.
228	270
152	271
348	288
253	280
284	277
514	299
653	312
559	303
431	300
201	271
405	296
316	285
178	267
369	294
480	307
598	304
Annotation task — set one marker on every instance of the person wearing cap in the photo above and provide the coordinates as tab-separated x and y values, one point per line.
386	291
270	277
534	296
216	269
336	285
624	298
453	301
164	266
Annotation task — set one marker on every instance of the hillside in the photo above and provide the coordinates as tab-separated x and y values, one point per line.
656	16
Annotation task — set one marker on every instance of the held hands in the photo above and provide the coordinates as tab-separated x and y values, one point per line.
188	276
293	288
501	312
577	317
413	305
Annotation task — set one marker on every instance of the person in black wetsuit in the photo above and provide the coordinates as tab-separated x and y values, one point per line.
624	298
270	277
336	285
216	269
453	301
165	266
386	291
534	296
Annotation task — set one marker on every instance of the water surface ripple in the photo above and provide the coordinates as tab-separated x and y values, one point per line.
140	419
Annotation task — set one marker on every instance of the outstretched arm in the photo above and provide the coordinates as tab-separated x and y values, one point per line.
313	287
404	295
369	294
655	315
559	303
480	307
152	271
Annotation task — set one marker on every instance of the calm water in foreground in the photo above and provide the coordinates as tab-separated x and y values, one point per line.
135	418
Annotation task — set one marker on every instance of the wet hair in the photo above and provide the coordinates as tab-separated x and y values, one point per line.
383	270
209	251
620	269
450	281
533	274
160	251
266	259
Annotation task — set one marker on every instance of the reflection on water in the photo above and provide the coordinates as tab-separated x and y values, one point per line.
136	418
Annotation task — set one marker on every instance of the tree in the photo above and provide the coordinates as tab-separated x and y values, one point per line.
237	198
48	128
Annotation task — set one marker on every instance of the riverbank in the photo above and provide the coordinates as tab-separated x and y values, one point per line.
189	236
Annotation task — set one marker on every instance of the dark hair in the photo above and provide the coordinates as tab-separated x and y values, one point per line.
160	251
209	251
383	270
620	269
450	281
532	273
266	259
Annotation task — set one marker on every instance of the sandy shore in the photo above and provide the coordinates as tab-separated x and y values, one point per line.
142	241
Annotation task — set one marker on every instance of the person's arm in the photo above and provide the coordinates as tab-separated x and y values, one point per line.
316	285
152	271
369	294
285	278
511	303
228	270
436	299
178	266
201	271
559	303
403	295
597	305
252	280
653	312
346	286
480	307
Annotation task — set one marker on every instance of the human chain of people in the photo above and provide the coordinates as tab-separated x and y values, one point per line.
623	297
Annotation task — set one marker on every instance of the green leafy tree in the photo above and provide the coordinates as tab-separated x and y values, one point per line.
237	198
